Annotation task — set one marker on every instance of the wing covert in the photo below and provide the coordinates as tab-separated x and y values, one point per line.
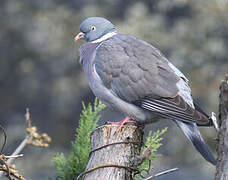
133	69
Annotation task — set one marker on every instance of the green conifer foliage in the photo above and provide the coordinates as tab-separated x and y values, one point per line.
154	140
68	169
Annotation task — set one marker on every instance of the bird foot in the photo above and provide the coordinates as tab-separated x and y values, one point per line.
121	123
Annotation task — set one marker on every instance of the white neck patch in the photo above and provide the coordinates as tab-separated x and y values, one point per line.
106	36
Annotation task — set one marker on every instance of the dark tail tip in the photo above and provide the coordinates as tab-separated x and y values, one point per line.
193	134
203	149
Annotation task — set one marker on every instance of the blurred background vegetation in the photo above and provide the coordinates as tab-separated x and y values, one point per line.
39	69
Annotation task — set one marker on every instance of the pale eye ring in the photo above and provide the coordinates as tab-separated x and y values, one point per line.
93	28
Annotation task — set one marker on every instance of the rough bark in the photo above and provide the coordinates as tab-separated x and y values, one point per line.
125	154
222	147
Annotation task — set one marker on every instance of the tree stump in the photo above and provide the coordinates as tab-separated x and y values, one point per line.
114	155
222	147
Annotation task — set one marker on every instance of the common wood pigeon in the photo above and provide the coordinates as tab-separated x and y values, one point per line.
136	79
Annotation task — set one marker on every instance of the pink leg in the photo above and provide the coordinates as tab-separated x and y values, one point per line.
122	123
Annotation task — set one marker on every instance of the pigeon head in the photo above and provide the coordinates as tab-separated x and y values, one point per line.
94	28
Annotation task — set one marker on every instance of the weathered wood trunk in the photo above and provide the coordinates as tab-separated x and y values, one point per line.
114	149
222	148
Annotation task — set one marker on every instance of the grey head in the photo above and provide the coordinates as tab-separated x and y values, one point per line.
93	28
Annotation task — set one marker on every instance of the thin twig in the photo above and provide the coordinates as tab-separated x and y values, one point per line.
32	137
13	156
28	118
25	141
19	149
21	146
144	155
106	166
5	137
3	159
13	173
161	173
115	143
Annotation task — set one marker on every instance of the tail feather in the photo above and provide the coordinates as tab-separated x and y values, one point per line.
193	134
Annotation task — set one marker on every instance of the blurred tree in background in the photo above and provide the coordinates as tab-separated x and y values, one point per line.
39	68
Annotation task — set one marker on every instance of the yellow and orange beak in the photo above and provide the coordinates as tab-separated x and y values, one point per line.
79	36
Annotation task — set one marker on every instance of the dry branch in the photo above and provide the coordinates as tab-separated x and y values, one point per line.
5	138
161	173
33	137
222	147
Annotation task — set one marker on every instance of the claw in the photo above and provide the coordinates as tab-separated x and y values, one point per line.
121	123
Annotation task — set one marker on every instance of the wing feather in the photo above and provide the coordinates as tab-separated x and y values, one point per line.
174	108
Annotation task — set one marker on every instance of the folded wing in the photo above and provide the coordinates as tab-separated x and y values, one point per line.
138	73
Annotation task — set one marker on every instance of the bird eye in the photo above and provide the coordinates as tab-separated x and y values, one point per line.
93	28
